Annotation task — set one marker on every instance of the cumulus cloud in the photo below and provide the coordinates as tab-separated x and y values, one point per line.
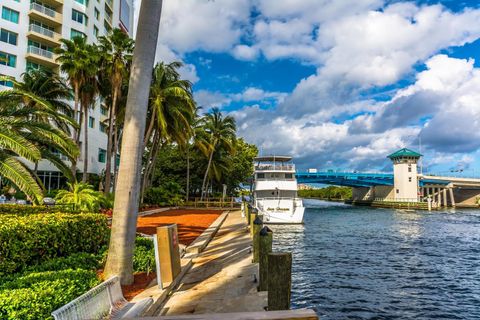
251	94
448	102
356	46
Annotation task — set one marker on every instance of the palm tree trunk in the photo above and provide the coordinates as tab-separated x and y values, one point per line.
124	222
118	135
152	156
85	145
188	172
111	123
73	166
206	175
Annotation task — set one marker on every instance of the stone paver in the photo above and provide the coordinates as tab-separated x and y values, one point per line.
223	276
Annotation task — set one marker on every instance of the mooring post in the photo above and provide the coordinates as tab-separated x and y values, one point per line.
247	213
265	247
253	215
257	226
279	280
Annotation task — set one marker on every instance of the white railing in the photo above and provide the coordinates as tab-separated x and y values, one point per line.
40	52
42	30
49	12
398	199
275	167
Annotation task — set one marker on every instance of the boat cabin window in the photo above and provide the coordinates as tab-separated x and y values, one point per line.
260	175
288	176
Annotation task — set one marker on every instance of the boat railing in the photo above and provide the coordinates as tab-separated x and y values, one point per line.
273	167
279	198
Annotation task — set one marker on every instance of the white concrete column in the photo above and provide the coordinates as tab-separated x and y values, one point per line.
452	199
445	197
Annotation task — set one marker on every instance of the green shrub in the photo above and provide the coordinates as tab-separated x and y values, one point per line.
32	239
171	194
144	255
36	295
18	209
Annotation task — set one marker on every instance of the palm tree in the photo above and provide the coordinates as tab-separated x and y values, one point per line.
116	50
172	112
27	130
124	223
88	93
74	60
215	131
82	196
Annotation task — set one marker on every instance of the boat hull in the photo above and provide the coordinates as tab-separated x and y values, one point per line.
282	217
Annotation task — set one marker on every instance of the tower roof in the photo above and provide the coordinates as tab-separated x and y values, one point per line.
405	153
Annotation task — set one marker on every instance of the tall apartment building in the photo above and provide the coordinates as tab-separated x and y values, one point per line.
29	32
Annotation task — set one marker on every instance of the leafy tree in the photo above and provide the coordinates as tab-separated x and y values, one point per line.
83	196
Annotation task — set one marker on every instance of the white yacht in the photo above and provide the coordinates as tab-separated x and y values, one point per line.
275	190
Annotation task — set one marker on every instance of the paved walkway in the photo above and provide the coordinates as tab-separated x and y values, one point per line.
223	278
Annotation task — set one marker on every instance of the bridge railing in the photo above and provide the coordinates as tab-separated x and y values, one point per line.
398	199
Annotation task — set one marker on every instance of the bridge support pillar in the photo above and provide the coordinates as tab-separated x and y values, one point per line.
445	197
439	197
452	199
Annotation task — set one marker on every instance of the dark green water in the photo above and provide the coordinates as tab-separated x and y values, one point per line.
365	263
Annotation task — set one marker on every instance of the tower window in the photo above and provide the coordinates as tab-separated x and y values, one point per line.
409	179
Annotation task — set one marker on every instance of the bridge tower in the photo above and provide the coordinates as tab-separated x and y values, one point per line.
405	175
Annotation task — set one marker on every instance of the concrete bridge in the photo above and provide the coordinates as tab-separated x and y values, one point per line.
404	184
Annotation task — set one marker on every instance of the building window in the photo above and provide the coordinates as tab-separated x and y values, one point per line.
103	111
102	155
97	14
95	31
6	83
8	37
103	127
409	179
8	59
79	17
409	168
10	15
91	122
75	33
260	175
84	2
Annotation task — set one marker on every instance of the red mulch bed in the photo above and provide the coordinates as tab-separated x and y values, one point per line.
140	282
190	223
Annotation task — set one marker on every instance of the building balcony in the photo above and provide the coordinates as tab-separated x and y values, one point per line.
44	35
44	14
41	56
54	3
109	4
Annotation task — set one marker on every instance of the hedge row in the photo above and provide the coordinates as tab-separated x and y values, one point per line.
36	295
32	239
18	209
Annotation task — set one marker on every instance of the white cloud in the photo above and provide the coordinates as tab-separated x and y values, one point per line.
450	100
209	99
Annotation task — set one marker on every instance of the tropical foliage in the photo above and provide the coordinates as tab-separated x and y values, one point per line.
328	193
33	125
82	197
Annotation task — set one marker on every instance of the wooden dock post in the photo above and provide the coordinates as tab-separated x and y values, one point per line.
257	226
279	280
265	247
253	215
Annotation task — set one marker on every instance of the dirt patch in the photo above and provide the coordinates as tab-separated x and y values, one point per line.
140	283
190	223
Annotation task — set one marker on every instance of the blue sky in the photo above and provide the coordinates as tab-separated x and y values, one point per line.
337	83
